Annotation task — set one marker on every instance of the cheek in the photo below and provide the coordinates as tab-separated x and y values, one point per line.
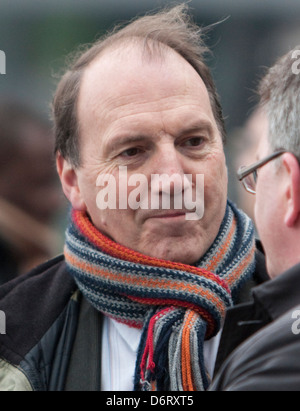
88	189
257	208
92	178
264	204
265	213
107	199
216	178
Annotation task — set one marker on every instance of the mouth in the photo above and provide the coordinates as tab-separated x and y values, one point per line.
170	215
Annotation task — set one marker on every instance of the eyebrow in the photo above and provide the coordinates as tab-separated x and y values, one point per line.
120	140
202	125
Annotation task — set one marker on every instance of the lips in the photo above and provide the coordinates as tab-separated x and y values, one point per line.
169	215
165	215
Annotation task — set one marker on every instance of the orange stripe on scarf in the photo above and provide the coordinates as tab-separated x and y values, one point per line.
186	360
223	250
116	250
150	283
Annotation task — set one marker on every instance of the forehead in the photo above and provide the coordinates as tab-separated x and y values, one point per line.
127	82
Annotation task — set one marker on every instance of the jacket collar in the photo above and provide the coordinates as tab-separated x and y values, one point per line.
280	294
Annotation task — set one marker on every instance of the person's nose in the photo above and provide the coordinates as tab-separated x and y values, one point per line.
169	169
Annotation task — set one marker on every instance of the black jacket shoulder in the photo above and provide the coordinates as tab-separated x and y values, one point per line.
32	303
268	361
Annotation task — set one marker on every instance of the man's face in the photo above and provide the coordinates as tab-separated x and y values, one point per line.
150	117
268	207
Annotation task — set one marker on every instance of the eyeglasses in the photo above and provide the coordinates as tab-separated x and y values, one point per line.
248	175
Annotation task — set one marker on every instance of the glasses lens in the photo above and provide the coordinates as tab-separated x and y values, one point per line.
250	182
254	177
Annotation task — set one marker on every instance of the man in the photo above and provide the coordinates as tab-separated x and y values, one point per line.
29	191
247	139
142	284
270	359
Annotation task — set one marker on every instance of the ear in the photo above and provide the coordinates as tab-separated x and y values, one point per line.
69	181
292	190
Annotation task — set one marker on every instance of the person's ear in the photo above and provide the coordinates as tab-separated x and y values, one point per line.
69	181
292	190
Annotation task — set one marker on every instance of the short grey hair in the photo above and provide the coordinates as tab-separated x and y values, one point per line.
172	28
279	93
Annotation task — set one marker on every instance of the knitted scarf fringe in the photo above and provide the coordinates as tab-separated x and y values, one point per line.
177	306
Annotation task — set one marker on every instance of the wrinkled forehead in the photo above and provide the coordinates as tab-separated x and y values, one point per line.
133	65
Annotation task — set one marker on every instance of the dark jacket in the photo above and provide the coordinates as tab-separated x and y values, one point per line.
8	263
53	336
269	359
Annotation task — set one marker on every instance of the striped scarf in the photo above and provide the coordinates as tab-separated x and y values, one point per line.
177	306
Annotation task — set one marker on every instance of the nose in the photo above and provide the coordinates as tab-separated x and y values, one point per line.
168	170
167	160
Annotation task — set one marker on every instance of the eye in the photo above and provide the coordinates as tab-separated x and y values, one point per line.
131	152
193	142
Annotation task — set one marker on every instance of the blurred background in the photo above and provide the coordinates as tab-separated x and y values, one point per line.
37	35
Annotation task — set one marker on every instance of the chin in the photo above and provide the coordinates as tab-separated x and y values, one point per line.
182	256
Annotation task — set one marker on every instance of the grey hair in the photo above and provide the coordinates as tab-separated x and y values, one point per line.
172	28
279	93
